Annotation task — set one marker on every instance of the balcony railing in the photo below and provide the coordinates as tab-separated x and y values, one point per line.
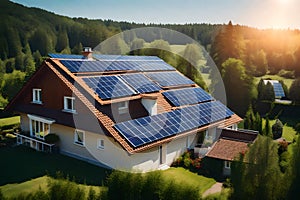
34	143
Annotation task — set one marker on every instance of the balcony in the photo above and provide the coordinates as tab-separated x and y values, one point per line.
35	143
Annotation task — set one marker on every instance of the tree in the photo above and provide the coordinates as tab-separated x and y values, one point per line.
62	41
294	93
259	63
277	129
238	85
297	128
12	84
136	46
189	63
257	175
267	130
249	118
293	186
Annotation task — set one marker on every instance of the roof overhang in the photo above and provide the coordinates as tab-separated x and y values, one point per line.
41	119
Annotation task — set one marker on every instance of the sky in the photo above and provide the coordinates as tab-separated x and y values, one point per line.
262	14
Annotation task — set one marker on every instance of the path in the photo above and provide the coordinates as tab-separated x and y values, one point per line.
217	187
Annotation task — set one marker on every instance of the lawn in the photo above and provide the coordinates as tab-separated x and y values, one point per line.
288	132
13	190
186	177
9	121
19	164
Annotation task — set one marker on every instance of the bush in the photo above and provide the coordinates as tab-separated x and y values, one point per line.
277	129
52	138
188	161
122	185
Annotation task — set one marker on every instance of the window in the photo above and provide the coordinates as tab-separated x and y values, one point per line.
36	96
79	137
69	104
227	164
39	126
123	107
100	144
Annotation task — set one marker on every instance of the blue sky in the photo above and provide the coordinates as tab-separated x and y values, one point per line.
254	13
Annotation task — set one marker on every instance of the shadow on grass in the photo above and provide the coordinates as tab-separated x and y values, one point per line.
19	164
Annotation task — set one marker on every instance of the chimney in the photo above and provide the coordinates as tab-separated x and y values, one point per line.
149	101
87	53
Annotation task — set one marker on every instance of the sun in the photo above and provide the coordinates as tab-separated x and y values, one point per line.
283	1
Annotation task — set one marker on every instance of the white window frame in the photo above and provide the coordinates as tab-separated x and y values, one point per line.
100	144
66	109
76	140
43	125
123	107
36	95
227	164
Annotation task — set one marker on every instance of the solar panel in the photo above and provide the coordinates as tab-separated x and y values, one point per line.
148	129
140	83
278	90
125	58
108	87
187	96
65	56
76	66
165	79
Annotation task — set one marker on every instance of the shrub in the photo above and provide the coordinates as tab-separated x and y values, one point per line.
277	129
297	128
52	138
122	185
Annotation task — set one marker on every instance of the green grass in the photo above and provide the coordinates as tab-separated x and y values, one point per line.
287	81
31	186
186	177
9	121
19	164
288	132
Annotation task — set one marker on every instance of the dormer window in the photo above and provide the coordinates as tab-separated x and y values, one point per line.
69	104
123	107
36	96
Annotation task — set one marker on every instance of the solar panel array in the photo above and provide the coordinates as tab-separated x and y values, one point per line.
140	83
278	90
187	96
102	66
141	131
66	56
122	57
165	79
108	87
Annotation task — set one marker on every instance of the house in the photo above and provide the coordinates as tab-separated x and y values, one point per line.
277	87
134	113
228	147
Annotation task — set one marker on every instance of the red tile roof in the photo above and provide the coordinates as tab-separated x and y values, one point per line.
226	149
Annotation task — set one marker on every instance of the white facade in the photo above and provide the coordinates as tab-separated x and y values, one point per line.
112	154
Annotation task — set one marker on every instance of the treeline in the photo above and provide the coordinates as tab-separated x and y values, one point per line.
242	53
119	185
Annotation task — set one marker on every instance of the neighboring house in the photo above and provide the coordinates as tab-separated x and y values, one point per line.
134	113
277	87
229	146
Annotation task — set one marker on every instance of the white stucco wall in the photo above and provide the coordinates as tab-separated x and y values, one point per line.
113	155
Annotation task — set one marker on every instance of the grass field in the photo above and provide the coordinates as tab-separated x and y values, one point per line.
26	170
186	177
19	164
288	132
13	190
9	121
